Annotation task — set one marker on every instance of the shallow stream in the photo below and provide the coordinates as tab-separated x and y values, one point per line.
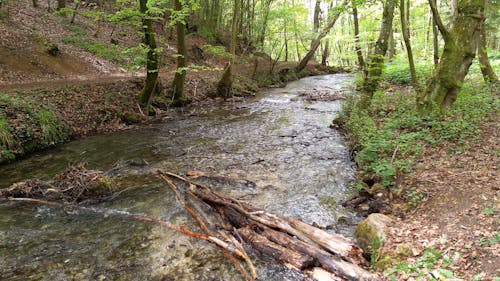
280	142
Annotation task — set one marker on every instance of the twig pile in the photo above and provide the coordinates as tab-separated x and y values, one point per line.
74	185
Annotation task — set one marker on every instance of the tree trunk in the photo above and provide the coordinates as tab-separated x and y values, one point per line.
316	18
404	8
77	5
377	58
357	48
315	44
435	42
144	97
35	3
326	53
484	62
459	51
391	51
180	73
225	85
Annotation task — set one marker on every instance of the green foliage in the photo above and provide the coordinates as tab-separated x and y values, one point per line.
36	127
391	134
77	29
216	51
6	139
398	72
485	241
128	57
431	261
52	128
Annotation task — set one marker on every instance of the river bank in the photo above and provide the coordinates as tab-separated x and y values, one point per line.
435	176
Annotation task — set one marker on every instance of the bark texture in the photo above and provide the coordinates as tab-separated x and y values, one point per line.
405	28
225	85
460	44
357	47
484	63
377	58
144	97
180	74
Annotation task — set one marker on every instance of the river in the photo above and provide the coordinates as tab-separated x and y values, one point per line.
280	142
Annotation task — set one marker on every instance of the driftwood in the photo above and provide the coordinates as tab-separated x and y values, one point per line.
287	240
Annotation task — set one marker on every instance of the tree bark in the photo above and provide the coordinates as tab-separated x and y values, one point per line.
315	44
460	44
225	85
326	53
357	47
144	97
404	12
484	62
435	42
377	58
180	73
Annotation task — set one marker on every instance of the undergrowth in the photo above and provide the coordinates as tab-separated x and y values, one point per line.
390	136
26	127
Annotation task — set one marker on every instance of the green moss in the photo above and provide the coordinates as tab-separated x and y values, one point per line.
36	127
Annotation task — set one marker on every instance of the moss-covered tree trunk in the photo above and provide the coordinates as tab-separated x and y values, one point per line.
404	8
460	44
225	85
484	62
144	97
180	74
315	44
377	57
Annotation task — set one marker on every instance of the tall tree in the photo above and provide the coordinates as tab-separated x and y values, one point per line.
225	85
459	51
377	57
315	44
435	40
180	73
404	11
484	62
357	47
144	97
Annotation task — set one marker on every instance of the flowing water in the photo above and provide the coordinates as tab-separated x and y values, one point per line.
282	144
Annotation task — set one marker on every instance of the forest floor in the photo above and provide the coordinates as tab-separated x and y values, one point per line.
455	228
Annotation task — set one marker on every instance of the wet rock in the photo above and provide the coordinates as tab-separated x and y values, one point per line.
371	232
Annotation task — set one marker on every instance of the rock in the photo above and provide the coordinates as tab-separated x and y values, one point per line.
371	232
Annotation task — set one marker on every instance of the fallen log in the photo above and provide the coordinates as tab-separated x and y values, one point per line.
287	240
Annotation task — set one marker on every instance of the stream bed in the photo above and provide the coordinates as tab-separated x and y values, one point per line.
279	142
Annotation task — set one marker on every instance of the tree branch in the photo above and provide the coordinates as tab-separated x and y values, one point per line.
437	19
